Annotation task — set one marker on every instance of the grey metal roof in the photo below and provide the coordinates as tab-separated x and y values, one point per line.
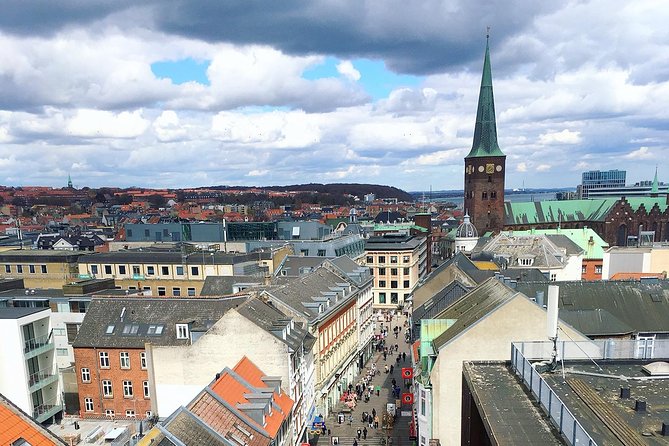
473	307
223	285
595	322
295	266
143	313
272	320
640	305
545	251
508	415
304	295
170	257
19	312
435	305
392	243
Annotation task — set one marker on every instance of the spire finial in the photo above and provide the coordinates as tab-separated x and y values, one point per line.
487	32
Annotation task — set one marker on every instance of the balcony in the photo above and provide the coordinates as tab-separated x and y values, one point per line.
36	346
47	410
138	277
41	379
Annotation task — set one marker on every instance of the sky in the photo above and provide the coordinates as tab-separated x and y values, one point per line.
186	93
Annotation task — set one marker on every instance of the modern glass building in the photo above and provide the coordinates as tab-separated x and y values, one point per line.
601	179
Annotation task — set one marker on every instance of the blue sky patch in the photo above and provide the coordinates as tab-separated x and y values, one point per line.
375	78
182	71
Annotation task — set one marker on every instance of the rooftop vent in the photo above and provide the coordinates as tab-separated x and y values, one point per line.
640	406
624	392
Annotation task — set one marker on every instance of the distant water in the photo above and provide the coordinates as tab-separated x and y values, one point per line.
516	197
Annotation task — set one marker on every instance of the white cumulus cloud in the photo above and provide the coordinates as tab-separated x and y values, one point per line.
347	69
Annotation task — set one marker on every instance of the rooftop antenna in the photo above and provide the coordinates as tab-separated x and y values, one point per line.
552	321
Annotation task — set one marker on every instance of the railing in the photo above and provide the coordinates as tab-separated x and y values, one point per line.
41	375
644	348
47	409
35	343
137	277
558	412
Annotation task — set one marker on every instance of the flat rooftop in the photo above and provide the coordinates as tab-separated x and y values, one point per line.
593	393
510	415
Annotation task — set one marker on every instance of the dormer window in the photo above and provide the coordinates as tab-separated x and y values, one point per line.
182	331
525	261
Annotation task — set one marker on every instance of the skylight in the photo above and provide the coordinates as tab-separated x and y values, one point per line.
110	329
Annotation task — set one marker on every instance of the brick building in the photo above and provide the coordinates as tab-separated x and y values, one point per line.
109	351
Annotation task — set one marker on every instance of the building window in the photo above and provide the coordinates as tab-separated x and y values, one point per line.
180	270
382	271
382	298
31	268
104	360
61	352
136	270
109	413
85	375
393	271
194	271
191	291
182	331
493	195
525	262
125	360
127	389
43	269
176	291
145	386
108	269
148	414
553	277
60	331
406	271
598	269
583	269
19	269
382	283
406	284
107	389
165	270
484	195
321	253
130	413
150	270
405	259
8	268
370	259
393	298
393	284
121	269
142	360
88	404
393	259
423	402
382	259
94	269
161	291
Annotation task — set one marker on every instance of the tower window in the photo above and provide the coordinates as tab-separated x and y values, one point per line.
484	195
489	179
493	194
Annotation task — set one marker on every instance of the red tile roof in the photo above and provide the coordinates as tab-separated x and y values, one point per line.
14	424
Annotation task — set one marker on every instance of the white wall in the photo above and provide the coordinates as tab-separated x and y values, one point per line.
572	270
58	320
488	340
624	260
181	372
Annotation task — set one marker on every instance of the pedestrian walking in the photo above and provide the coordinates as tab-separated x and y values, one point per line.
385	355
355	442
394	382
329	432
396	347
373	411
350	420
359	432
391	368
376	422
404	356
364	432
387	369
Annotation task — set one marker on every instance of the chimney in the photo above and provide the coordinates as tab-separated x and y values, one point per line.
640	406
665	429
539	297
624	393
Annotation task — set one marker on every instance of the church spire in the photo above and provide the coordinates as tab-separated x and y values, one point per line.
485	131
69	181
655	189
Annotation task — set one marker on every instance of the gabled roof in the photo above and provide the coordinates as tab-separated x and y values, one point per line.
440	301
586	238
295	266
472	307
225	285
642	306
131	322
545	251
16	424
538	212
596	322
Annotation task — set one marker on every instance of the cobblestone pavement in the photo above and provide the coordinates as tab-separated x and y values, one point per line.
399	434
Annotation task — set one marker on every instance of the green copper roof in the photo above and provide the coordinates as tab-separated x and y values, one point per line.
655	187
485	131
536	212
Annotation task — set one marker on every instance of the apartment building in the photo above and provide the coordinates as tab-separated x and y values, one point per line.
110	349
28	374
398	262
40	268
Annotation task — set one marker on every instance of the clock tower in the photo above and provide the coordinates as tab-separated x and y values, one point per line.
485	165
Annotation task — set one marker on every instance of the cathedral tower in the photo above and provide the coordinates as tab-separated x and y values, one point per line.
485	165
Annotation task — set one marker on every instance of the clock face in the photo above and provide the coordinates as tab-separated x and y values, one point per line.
498	168
481	168
490	168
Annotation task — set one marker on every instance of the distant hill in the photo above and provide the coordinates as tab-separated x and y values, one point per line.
359	190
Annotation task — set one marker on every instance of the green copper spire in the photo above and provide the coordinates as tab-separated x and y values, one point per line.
69	181
656	185
485	131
